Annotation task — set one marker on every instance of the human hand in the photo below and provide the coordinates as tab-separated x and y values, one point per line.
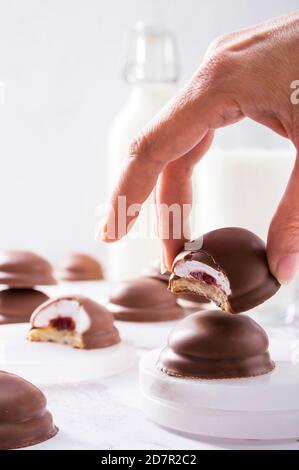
244	74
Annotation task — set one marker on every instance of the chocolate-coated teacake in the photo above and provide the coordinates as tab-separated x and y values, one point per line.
74	320
80	267
24	418
214	345
24	269
17	305
144	300
230	268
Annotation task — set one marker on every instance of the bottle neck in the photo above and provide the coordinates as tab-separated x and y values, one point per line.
151	56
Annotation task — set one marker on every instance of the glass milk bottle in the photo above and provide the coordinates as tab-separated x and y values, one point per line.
242	187
151	69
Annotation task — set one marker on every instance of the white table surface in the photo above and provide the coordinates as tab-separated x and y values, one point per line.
106	415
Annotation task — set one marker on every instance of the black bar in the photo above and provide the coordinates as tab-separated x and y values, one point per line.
136	459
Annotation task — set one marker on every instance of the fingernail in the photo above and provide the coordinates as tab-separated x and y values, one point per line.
163	268
287	268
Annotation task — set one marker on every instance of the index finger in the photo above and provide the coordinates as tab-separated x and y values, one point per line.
173	133
174	200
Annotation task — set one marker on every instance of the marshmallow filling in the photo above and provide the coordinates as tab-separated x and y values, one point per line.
202	280
63	315
197	271
62	322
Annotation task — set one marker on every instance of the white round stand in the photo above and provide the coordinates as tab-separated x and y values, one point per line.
148	335
49	363
264	407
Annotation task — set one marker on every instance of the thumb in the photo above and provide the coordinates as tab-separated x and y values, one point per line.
283	237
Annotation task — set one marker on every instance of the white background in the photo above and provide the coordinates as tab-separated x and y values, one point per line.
60	61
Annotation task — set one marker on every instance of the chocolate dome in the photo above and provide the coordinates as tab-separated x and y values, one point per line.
24	269
17	305
230	268
213	345
74	320
144	300
80	267
24	419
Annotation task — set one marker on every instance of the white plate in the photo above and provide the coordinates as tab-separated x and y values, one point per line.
50	363
264	407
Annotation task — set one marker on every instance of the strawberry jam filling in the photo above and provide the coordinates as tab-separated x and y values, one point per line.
207	278
63	323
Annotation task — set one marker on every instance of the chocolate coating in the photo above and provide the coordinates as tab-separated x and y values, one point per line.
24	269
101	332
144	300
214	345
24	419
241	256
17	305
80	267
